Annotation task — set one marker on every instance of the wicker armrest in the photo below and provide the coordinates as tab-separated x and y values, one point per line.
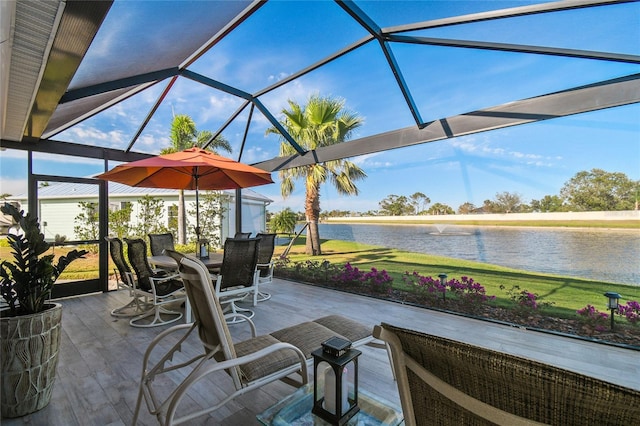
458	383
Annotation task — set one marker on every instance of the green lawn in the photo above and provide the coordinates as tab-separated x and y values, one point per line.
568	294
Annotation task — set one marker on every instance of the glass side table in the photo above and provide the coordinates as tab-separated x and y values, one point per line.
296	410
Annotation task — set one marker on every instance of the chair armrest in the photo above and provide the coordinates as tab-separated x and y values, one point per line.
161	336
165	278
262	353
252	325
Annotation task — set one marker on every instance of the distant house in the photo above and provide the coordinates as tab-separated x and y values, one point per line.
59	206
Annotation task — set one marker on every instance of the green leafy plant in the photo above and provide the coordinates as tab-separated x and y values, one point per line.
26	282
526	303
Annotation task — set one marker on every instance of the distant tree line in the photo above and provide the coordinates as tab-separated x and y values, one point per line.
594	190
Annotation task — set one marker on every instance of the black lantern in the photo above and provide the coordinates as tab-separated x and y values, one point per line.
612	303
332	399
442	283
203	248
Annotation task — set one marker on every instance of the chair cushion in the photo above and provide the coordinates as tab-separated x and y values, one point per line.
306	336
352	330
266	365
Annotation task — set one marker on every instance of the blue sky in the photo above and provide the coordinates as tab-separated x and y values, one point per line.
283	37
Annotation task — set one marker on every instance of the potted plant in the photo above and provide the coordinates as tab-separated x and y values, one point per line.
30	323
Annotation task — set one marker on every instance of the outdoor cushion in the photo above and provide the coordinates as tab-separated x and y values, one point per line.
309	336
350	329
264	366
306	336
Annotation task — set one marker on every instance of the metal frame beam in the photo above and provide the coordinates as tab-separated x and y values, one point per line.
607	94
73	149
372	28
519	48
244	95
513	12
79	23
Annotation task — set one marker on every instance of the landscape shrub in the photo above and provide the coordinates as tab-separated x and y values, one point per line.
631	311
463	295
427	287
378	282
470	294
592	319
525	302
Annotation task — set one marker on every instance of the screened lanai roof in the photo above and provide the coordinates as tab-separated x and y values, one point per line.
76	71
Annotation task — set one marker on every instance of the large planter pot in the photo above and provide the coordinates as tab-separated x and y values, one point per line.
29	358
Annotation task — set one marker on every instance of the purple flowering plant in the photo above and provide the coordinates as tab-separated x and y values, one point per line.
378	281
465	292
426	286
471	294
593	319
631	311
525	302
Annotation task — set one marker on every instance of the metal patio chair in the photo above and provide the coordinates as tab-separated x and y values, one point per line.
125	281
238	275
282	355
266	246
160	287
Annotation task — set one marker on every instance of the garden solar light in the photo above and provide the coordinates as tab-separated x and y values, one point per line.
442	278
612	303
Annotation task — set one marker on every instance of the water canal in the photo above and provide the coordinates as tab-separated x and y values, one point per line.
599	254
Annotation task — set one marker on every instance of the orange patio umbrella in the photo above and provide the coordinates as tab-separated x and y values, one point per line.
191	169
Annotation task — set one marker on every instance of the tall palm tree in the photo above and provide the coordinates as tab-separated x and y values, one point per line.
185	135
322	122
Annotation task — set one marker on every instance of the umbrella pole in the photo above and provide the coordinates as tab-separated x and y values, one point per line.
197	218
195	175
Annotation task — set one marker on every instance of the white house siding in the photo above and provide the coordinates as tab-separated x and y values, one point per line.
60	209
59	215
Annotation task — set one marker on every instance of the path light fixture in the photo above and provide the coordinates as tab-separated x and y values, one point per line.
443	277
612	303
335	381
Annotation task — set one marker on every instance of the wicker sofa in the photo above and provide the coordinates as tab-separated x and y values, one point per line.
442	381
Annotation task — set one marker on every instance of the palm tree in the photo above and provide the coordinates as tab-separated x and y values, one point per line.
184	135
322	122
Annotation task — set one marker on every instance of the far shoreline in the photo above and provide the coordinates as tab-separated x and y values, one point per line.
609	220
581	227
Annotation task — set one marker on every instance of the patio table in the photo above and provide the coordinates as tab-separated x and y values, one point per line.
296	410
167	262
163	261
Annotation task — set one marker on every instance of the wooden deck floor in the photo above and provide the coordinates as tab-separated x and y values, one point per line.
100	360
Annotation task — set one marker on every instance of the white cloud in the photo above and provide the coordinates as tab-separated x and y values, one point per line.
13	186
369	161
219	106
483	147
87	135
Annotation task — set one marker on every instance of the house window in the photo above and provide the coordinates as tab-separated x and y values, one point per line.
172	217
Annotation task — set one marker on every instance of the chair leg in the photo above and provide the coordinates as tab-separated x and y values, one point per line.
157	319
260	296
235	309
133	308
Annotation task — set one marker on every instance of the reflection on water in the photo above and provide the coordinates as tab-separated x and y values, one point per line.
606	255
